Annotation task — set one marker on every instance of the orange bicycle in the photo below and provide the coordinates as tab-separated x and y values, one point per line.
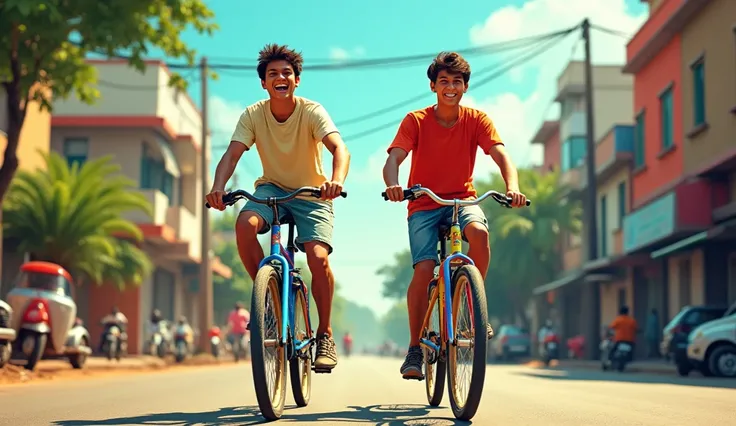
452	334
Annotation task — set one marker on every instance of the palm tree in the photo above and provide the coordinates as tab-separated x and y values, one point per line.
525	242
69	216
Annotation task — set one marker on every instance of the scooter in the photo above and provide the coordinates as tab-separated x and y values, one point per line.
214	335
551	348
7	334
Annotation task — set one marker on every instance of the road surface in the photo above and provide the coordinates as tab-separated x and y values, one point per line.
514	395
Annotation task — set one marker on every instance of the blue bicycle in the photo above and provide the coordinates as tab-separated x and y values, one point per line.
280	298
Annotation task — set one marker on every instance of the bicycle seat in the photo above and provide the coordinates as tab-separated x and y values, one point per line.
287	219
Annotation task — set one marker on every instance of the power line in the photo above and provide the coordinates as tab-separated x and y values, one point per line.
611	32
366	63
481	83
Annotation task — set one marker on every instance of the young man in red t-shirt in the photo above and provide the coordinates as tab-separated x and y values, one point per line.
444	139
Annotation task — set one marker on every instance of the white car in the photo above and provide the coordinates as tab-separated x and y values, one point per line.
712	346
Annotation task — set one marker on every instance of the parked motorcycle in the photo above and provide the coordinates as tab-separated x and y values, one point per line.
44	317
214	336
183	341
550	347
7	334
160	339
115	342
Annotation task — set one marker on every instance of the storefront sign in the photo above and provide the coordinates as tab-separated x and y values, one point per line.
650	223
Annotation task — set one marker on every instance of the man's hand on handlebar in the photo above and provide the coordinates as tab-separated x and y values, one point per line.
330	190
395	193
214	199
517	198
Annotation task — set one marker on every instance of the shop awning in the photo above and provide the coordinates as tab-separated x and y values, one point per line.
568	279
722	230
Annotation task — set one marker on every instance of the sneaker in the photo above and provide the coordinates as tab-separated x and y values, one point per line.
411	369
326	358
489	331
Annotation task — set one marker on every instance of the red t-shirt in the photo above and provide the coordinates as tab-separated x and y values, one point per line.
443	158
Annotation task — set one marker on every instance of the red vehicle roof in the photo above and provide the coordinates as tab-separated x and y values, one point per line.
46	268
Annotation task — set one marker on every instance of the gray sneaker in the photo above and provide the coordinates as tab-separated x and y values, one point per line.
411	369
326	356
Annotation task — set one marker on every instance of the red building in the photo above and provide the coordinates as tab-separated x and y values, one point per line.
668	254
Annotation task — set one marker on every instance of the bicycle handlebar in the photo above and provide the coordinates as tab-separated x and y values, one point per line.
417	191
233	197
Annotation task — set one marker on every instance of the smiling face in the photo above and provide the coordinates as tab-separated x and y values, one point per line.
280	80
449	87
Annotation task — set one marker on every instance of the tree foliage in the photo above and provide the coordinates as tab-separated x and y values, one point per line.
70	216
44	45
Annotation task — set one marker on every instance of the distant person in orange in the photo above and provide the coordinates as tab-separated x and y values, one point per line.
625	328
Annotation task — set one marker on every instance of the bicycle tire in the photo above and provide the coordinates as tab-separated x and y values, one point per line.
301	381
267	280
434	383
467	409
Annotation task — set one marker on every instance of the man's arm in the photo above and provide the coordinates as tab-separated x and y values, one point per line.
226	166
340	156
391	169
508	170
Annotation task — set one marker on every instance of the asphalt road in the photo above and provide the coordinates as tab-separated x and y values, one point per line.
514	395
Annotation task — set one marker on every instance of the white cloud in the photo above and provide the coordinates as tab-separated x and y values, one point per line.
518	119
224	115
340	54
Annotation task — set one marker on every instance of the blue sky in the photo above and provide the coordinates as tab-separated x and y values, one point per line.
368	231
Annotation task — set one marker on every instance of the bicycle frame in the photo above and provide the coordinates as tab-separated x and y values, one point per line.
284	257
443	290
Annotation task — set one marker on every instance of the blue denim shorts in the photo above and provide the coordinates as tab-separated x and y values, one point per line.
424	227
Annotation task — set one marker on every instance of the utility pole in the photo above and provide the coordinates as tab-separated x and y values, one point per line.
591	292
205	274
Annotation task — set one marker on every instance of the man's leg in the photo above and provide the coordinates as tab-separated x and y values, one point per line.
314	223
254	219
474	224
423	239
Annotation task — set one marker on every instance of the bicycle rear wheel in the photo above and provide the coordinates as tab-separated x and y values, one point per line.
469	317
300	365
268	355
435	364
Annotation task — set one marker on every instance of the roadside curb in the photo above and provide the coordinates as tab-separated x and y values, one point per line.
634	367
60	370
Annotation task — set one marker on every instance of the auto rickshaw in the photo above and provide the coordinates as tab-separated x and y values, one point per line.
7	334
45	317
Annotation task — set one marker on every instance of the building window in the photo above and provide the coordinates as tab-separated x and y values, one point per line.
604	228
639	141
665	117
698	70
621	204
155	176
572	152
621	297
76	150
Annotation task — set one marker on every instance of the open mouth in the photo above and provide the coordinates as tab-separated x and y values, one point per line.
282	88
450	95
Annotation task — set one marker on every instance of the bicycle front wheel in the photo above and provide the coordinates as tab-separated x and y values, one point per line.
300	366
467	357
268	355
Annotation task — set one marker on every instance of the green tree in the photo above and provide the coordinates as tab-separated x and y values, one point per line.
396	324
237	288
69	216
525	242
44	45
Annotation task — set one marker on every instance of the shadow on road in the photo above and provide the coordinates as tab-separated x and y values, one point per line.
384	415
642	378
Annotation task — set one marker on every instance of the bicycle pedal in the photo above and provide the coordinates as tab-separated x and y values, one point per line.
322	370
417	378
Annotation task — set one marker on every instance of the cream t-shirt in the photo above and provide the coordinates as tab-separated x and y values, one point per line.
290	152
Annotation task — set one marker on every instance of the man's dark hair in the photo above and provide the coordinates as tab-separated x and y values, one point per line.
274	52
452	62
624	310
